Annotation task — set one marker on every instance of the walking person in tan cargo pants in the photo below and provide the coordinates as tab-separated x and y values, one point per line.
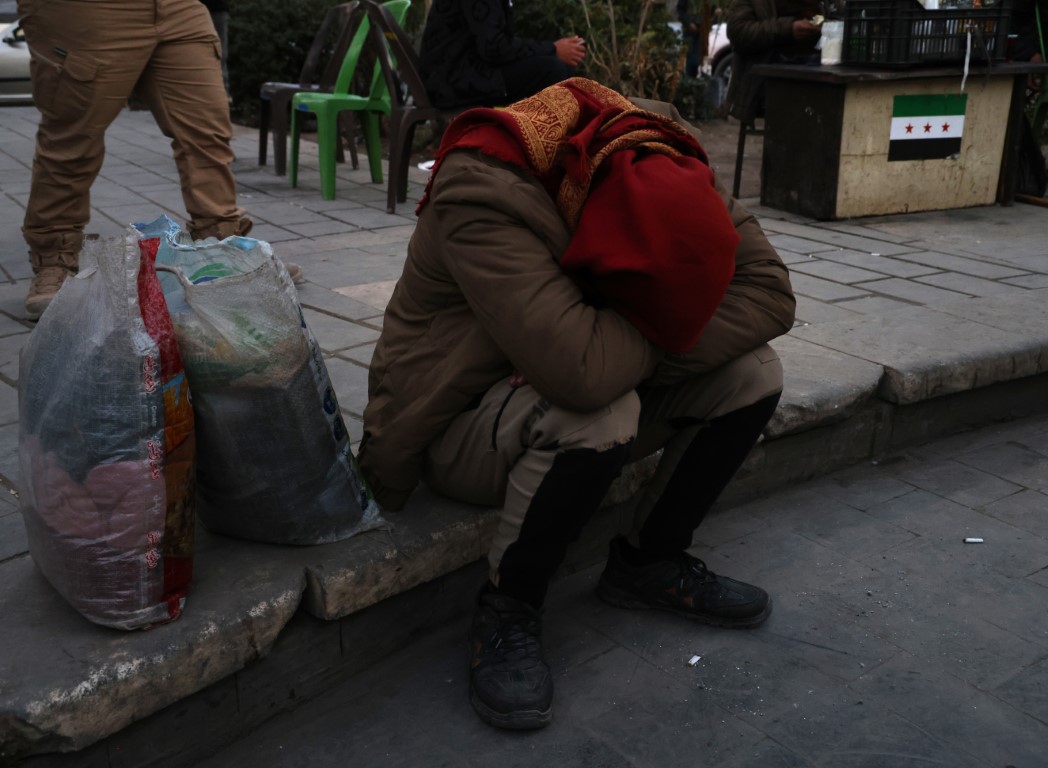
87	58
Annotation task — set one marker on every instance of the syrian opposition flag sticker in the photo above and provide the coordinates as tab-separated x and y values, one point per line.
927	127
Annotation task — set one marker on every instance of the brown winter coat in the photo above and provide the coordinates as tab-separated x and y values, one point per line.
482	296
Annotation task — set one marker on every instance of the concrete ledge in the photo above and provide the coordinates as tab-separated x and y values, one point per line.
821	386
67	682
266	626
430	538
928	353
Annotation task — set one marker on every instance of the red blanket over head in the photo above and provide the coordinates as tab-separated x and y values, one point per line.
652	237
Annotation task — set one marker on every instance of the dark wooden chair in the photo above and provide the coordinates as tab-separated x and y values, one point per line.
748	125
319	72
746	128
410	103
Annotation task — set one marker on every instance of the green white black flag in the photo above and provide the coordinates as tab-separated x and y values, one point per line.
927	127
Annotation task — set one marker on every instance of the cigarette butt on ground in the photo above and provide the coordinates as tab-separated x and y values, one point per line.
693	661
973	540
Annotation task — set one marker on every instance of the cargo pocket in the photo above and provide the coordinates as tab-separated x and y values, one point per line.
63	86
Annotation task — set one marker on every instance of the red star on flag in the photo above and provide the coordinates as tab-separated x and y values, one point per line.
909	128
945	127
927	127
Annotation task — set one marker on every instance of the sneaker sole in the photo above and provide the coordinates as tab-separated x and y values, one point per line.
34	310
525	720
622	599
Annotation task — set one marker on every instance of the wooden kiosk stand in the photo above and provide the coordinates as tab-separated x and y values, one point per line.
828	130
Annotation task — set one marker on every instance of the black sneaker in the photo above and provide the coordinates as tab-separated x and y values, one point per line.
683	585
510	685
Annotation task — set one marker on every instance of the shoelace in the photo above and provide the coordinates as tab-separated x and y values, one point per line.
515	639
50	279
693	570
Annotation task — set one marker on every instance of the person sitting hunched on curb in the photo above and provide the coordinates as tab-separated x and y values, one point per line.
579	292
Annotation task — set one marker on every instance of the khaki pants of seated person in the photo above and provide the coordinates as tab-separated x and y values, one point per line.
87	56
499	453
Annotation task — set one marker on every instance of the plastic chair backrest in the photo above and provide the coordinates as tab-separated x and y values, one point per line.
398	9
1040	31
333	27
398	59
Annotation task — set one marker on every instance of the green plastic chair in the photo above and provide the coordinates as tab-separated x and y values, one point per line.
328	106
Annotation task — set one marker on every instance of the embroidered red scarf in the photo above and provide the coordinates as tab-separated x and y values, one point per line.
652	237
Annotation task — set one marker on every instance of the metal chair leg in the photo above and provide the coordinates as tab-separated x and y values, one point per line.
263	129
739	153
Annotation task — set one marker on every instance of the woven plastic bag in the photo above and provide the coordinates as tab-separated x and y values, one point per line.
274	460
106	443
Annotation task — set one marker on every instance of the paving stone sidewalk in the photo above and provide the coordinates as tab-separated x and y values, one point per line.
893	643
912	307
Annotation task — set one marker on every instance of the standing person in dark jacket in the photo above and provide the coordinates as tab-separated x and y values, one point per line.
763	31
471	56
691	34
1024	25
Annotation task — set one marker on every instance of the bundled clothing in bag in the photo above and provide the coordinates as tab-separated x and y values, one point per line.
106	442
274	458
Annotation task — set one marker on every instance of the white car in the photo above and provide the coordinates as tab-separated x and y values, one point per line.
718	58
15	87
717	63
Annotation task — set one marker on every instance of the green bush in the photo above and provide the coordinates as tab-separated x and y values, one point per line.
630	46
691	99
269	40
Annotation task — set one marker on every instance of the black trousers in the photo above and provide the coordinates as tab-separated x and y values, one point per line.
578	481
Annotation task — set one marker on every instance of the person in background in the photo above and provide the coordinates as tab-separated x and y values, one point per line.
691	34
86	59
578	293
764	31
219	10
470	55
1029	24
1030	37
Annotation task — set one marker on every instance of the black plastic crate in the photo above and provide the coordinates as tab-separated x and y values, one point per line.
899	33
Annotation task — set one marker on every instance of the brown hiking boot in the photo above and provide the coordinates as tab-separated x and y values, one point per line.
42	289
50	271
221	229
